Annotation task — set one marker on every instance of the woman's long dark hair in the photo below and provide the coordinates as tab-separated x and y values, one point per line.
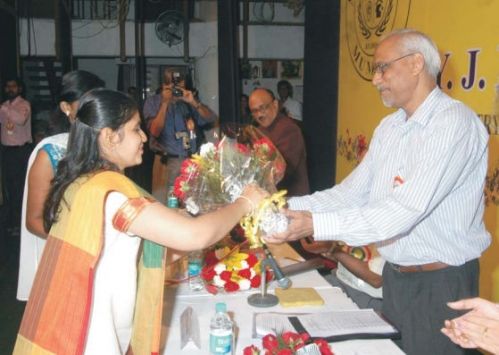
74	84
99	108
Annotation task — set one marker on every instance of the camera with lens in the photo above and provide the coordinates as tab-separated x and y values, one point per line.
176	79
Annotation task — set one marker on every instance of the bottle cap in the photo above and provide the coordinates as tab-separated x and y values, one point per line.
221	307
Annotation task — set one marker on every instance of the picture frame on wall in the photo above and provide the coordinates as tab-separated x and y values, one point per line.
291	69
269	69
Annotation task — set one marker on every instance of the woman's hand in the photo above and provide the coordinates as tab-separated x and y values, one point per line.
477	328
253	195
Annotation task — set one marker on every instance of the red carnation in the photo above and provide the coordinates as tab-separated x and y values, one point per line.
270	342
285	352
246	273
226	275
231	286
305	337
323	347
292	339
189	168
255	281
180	187
210	258
270	275
211	289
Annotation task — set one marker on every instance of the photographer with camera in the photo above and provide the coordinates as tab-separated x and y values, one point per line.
173	117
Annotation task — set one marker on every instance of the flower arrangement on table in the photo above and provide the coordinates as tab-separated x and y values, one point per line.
218	175
290	343
231	270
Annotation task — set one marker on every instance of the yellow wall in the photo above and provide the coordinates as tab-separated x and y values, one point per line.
467	34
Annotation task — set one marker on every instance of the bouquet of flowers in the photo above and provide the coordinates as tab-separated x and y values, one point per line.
290	343
231	270
218	175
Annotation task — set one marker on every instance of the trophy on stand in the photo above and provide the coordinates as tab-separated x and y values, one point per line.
264	299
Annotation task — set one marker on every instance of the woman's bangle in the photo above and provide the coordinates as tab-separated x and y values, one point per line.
252	205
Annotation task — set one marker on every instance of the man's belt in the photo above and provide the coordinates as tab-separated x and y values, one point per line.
419	268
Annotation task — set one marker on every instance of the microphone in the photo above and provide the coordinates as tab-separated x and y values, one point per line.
283	281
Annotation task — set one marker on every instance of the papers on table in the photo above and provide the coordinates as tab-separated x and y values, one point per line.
333	326
271	323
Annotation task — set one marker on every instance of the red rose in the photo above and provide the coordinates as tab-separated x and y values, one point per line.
292	339
251	350
238	231
264	148
255	281
252	260
231	286
242	148
246	273
270	342
226	275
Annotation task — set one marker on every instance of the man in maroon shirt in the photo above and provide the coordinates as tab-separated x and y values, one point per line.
286	136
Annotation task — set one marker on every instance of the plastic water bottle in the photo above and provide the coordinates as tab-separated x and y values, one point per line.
172	200
194	271
221	331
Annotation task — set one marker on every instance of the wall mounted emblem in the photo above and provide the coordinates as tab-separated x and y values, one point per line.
368	20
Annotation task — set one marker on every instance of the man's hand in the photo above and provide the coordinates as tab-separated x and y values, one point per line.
188	97
300	225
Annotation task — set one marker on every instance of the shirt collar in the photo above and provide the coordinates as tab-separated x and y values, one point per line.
422	114
16	99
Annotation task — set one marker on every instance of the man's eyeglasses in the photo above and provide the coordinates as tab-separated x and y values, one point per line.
262	108
382	67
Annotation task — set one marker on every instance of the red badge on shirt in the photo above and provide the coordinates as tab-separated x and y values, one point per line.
398	181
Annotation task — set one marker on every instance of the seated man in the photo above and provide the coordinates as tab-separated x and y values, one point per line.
358	273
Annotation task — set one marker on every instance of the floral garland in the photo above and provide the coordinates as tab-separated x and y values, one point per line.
231	271
289	343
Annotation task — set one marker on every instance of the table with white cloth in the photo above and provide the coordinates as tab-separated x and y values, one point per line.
178	298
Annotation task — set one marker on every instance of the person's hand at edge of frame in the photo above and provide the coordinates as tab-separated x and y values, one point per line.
477	328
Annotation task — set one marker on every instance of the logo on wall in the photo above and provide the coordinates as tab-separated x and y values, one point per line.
366	21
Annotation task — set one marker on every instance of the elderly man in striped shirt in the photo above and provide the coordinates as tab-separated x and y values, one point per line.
418	194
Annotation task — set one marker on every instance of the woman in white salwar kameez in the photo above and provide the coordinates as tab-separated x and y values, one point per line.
42	166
